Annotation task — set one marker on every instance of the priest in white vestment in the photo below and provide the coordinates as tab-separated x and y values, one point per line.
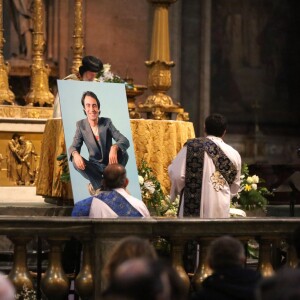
113	200
100	209
206	173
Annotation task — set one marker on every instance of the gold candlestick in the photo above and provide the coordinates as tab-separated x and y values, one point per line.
159	105
77	37
6	95
39	94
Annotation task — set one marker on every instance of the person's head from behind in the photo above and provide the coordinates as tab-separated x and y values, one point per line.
283	285
141	278
91	105
126	248
114	176
7	290
90	67
226	252
215	125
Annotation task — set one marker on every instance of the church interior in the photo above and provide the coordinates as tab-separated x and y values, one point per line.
183	60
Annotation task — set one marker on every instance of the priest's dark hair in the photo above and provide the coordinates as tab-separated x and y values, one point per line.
216	125
114	176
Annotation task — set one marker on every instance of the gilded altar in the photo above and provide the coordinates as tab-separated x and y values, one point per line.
155	141
21	133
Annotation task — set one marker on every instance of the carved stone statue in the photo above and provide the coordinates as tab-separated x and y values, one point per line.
28	161
14	160
22	20
21	161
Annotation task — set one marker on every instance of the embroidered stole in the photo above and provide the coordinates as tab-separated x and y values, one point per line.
118	204
82	208
113	199
194	171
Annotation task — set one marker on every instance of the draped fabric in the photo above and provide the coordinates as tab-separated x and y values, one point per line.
225	169
113	199
82	208
155	141
118	204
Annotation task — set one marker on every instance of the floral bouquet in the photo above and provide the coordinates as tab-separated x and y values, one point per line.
251	195
105	75
153	195
26	294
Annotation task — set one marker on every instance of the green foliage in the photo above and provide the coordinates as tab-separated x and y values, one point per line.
251	195
63	163
252	199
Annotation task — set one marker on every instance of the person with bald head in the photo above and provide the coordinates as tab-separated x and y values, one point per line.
113	201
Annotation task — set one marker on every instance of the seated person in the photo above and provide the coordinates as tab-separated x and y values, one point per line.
147	279
127	248
113	200
283	285
230	279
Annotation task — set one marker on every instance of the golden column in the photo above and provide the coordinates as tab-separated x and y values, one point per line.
6	95
159	105
39	94
77	37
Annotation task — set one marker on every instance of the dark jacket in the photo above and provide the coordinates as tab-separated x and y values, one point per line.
229	284
97	152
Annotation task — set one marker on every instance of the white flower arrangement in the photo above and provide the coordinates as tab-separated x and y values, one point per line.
251	195
106	75
152	194
26	294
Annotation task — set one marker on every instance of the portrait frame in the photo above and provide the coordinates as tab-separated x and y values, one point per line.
113	105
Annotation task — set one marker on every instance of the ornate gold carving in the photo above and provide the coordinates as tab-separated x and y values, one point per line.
6	95
159	105
39	94
133	91
77	37
182	116
21	161
159	112
19	112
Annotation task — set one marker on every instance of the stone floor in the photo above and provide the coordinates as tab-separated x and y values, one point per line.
23	201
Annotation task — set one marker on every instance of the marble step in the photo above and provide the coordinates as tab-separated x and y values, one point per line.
23	201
